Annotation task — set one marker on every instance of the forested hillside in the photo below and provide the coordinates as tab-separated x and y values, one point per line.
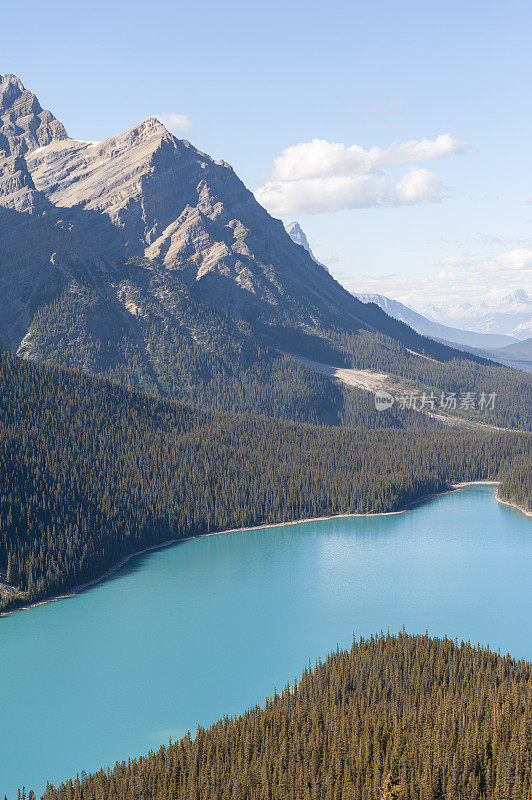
513	389
404	718
221	367
199	354
92	472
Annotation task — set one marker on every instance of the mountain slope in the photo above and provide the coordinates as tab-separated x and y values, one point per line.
24	124
500	348
518	350
146	194
143	259
170	203
518	354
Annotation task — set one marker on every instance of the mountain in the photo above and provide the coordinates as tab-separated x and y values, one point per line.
38	245
517	355
509	316
145	194
503	349
518	350
435	330
142	259
298	236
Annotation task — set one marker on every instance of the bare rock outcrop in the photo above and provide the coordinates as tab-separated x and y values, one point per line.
24	124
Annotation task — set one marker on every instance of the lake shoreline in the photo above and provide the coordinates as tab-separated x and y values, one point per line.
521	509
455	487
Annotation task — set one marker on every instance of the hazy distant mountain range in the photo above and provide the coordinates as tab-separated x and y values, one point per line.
502	348
511	315
143	259
485	325
429	327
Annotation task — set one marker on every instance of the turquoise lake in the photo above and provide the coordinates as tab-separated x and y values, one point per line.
208	627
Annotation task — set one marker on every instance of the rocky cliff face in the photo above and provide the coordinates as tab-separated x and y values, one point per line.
24	125
42	250
147	194
176	206
17	189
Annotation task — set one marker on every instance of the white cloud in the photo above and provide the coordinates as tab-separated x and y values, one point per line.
518	259
420	150
460	282
320	195
320	159
451	261
321	176
416	186
175	123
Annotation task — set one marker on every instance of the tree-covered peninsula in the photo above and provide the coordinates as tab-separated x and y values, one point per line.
395	718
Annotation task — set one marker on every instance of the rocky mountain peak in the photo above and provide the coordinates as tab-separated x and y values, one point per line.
151	124
295	231
24	124
10	84
297	234
520	295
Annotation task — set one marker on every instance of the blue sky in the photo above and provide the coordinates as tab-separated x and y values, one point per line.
254	80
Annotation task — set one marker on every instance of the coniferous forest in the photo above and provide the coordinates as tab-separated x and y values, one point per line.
240	367
516	486
93	472
404	717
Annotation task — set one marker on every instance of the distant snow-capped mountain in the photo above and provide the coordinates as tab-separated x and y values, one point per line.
511	315
508	350
297	234
435	329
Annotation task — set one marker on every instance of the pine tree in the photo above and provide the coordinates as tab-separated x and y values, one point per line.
391	788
